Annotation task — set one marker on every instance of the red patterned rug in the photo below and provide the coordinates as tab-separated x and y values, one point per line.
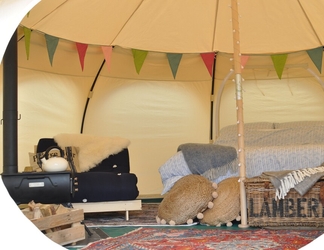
204	239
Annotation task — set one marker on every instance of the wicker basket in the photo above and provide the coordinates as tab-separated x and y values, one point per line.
294	210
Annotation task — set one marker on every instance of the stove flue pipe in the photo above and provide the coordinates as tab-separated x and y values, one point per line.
10	110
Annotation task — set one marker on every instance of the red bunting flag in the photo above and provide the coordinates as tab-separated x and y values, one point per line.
82	49
208	59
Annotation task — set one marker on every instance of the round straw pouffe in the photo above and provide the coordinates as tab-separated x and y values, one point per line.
227	205
186	200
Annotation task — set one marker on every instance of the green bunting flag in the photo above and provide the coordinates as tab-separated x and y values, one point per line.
279	62
174	61
139	58
27	33
316	55
51	43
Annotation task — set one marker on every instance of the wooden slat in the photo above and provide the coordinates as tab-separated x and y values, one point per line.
68	235
75	215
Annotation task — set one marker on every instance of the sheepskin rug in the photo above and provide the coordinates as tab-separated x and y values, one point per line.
91	149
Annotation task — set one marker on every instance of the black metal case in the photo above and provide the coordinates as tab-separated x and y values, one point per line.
42	187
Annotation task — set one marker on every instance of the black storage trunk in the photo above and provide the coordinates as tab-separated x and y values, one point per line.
42	187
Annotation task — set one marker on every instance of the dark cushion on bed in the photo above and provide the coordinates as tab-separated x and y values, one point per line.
118	163
105	186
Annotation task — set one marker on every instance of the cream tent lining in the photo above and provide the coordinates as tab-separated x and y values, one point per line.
155	115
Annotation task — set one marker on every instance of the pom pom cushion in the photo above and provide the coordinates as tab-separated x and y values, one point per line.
226	207
187	199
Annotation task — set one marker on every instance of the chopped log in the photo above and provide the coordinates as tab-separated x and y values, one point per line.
61	209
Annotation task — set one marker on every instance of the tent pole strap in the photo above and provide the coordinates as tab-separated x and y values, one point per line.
89	96
211	136
10	110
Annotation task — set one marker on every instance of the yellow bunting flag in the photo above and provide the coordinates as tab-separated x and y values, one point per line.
279	62
27	33
139	58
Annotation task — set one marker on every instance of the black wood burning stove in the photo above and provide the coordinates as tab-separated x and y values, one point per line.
43	187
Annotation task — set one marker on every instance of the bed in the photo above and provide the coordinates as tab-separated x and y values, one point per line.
268	147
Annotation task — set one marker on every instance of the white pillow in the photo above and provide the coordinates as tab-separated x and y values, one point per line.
172	170
248	127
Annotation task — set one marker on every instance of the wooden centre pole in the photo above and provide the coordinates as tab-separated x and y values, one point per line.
239	110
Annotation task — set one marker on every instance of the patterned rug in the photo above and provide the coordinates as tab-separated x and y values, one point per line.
205	239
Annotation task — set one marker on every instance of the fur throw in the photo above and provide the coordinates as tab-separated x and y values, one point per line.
91	149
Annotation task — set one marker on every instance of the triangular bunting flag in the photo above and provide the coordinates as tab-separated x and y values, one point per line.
279	62
316	55
27	33
139	58
208	59
174	61
107	51
82	49
244	60
51	43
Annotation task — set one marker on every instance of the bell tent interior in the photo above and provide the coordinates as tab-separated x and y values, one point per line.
155	108
163	94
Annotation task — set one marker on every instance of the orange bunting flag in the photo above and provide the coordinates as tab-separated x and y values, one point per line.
244	60
174	61
82	49
139	58
27	33
279	62
107	51
208	59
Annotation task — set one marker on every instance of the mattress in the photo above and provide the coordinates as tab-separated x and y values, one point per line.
268	147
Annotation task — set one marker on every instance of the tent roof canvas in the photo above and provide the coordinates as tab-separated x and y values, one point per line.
183	26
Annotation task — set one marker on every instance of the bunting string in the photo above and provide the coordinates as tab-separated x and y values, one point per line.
174	59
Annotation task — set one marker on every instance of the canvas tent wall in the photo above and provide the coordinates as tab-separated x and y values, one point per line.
298	95
152	109
144	108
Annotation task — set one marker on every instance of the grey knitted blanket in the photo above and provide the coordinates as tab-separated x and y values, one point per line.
202	157
301	180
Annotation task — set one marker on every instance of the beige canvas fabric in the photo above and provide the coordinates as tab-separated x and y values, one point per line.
184	26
